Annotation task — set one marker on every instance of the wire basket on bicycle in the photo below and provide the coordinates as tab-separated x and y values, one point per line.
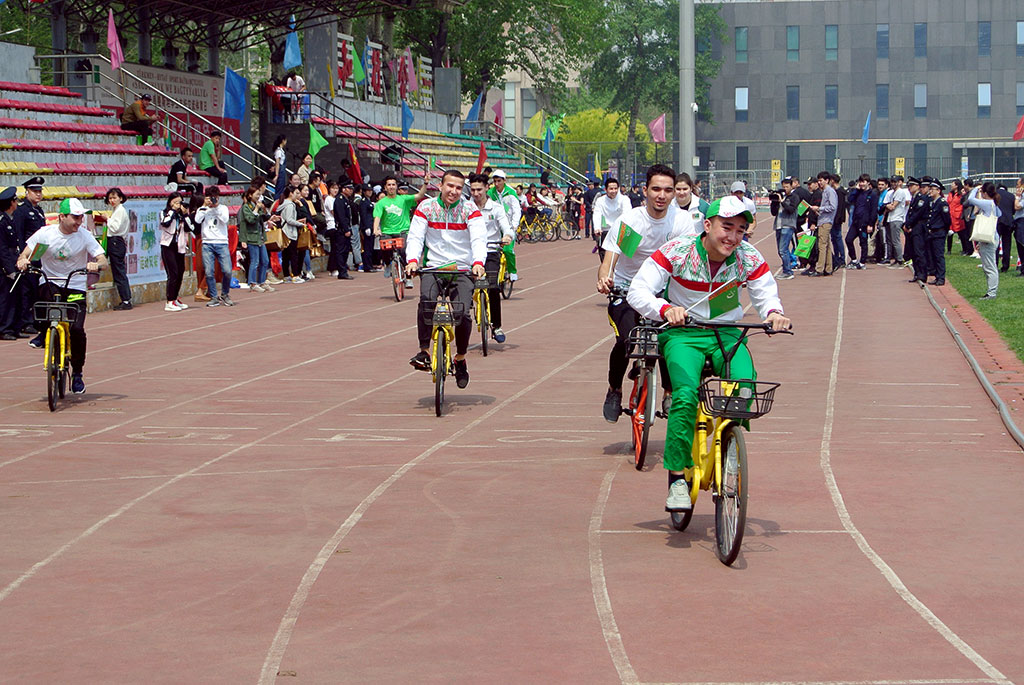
736	398
445	312
642	342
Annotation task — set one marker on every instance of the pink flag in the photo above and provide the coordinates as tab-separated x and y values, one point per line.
410	71
116	56
657	129
499	113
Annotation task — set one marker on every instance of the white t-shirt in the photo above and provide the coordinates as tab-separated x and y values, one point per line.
902	199
329	212
654	233
214	221
607	212
296	84
279	158
65	253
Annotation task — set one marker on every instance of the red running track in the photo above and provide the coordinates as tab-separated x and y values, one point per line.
262	494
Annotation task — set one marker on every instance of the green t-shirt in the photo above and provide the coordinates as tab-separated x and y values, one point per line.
395	213
206	155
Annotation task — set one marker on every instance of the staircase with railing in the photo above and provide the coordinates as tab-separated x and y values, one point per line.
526	150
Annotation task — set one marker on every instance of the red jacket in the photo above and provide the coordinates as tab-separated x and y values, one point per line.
956	212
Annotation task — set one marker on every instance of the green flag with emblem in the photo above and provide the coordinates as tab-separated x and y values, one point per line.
316	141
628	240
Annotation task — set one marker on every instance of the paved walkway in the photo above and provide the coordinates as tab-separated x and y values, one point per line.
262	494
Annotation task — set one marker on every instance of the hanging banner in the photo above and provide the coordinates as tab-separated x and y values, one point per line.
423	98
347	54
375	71
144	264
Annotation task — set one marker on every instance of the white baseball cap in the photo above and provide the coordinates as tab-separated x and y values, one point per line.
498	174
738	187
729	206
73	206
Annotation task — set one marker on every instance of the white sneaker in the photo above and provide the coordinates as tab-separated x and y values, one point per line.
181	304
256	288
334	273
513	277
267	288
296	279
408	283
678	497
308	276
171	307
243	286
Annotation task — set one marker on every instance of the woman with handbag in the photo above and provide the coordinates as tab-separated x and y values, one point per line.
250	235
316	223
175	227
291	259
984	233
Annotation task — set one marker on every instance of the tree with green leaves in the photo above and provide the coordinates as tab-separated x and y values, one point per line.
582	132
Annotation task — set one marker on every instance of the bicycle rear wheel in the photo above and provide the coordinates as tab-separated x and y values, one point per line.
731	503
506	286
440	369
639	402
397	280
484	319
52	368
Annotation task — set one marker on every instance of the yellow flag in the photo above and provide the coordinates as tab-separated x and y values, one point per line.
536	129
330	78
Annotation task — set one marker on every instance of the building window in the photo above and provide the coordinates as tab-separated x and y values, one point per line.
920	100
831	42
793	103
792	43
920	159
984	100
793	160
921	40
882	41
741	44
703	156
509	108
1020	39
742	157
882	100
831	102
984	39
529	100
741	104
881	160
1020	99
831	152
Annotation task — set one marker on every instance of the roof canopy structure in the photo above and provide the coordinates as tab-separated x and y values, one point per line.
231	24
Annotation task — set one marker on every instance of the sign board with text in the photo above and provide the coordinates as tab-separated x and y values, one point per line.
900	165
143	239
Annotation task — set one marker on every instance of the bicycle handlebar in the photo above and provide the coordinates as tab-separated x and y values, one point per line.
766	327
40	272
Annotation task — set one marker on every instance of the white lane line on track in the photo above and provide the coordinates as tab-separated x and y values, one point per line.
752	534
952	385
844	516
925	681
272	662
909	418
599	586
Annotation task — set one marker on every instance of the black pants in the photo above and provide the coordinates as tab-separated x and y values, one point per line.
143	128
922	255
10	306
1005	232
1018	233
47	293
936	241
858	234
370	256
459	289
588	222
28	293
117	254
221	176
291	259
493	265
174	265
342	251
332	254
624	319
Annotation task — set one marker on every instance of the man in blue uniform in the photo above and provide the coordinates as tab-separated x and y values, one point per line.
936	227
917	215
10	328
29	218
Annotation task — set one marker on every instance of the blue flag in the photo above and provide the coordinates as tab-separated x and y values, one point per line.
235	87
406	119
548	137
474	112
292	56
867	128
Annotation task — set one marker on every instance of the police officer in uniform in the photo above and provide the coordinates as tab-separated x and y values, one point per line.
10	311
917	215
29	218
937	227
342	247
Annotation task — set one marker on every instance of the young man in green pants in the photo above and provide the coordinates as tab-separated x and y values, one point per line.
675	282
503	193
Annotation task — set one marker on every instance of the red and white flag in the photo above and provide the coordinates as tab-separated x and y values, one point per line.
116	55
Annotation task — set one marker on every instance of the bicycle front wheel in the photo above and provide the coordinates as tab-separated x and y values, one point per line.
440	369
639	400
52	368
397	280
506	287
731	502
484	319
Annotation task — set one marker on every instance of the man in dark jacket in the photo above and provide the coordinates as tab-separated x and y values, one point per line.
1005	225
916	216
371	257
862	221
838	248
343	226
937	226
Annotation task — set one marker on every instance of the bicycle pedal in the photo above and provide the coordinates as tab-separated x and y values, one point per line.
626	411
660	414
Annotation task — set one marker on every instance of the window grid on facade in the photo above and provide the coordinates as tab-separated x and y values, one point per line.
984	100
921	39
793	160
920	100
920	159
793	103
741	104
792	43
831	152
742	157
831	102
741	44
984	39
882	100
509	109
882	41
1020	99
881	160
831	42
1020	39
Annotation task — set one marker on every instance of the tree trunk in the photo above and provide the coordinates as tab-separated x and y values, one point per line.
634	114
440	43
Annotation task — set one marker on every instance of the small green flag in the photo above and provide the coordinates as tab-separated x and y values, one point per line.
433	162
628	240
358	75
448	266
316	141
38	252
604	222
802	208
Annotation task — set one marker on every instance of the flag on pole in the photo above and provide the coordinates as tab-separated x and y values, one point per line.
1019	133
657	129
358	74
481	158
536	128
473	117
407	119
597	165
292	56
548	137
867	129
354	172
628	240
316	141
116	55
235	88
410	71
499	113
330	78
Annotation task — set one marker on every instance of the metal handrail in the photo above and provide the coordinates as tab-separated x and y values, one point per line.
150	86
530	149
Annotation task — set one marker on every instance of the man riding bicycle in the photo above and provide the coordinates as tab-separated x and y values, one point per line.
447	232
499	235
503	193
65	247
392	213
675	282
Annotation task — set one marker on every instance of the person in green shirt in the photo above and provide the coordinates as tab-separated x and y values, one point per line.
503	193
392	215
210	158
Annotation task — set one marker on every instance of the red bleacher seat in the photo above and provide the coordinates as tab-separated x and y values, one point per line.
53	108
59	91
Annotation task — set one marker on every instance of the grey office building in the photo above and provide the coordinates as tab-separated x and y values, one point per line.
941	78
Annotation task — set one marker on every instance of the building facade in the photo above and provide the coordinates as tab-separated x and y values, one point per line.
942	79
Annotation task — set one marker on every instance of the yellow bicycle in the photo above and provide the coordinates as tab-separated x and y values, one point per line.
59	315
482	311
719	450
446	314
